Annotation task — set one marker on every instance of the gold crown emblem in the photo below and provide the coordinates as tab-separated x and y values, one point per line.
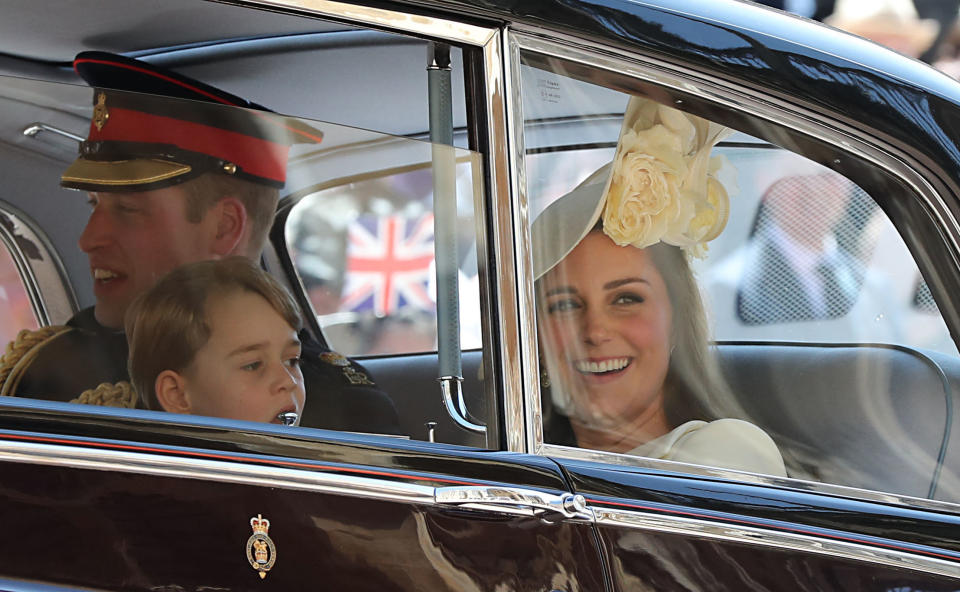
260	525
100	112
261	552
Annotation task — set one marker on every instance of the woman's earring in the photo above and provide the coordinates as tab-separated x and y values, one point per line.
544	377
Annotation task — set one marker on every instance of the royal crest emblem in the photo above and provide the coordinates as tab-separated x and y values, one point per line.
261	552
100	113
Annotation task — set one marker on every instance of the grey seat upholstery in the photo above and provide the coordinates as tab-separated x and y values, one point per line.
870	416
411	381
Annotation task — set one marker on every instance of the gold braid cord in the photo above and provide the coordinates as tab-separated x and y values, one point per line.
21	352
24	349
120	394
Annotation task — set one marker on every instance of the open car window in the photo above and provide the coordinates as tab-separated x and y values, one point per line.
371	227
710	292
364	248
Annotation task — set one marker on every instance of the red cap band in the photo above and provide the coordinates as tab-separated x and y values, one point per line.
254	156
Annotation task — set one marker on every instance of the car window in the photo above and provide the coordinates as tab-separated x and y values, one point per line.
708	292
358	235
364	250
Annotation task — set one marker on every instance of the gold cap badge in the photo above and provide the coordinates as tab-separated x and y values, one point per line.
261	552
100	113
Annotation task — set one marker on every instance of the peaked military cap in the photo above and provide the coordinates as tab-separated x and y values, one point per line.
152	128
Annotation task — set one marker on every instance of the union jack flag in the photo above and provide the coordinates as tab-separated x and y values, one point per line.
389	262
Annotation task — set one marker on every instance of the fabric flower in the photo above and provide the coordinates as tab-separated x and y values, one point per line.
643	200
664	184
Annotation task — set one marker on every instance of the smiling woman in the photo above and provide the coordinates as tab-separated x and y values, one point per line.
622	328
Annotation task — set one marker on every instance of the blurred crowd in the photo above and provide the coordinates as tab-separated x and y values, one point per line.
922	29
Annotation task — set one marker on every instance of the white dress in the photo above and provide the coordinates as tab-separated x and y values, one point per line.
723	443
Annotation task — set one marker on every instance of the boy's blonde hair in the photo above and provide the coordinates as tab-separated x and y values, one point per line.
167	324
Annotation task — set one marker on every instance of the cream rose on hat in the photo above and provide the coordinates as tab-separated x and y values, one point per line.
662	186
644	197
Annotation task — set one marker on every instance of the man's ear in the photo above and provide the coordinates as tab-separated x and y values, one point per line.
171	390
231	226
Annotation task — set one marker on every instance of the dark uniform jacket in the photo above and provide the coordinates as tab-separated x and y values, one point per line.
340	393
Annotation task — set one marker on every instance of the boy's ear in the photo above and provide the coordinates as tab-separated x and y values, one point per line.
232	221
171	391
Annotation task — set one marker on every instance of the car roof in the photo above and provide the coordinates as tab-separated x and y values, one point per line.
65	27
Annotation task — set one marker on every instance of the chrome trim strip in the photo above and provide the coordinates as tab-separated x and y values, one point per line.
516	500
503	243
780	540
521	237
781	114
611	458
429	26
8	585
213	470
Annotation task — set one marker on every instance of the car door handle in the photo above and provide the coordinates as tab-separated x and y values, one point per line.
515	500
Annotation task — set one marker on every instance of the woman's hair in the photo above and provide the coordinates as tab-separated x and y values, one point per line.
694	387
167	324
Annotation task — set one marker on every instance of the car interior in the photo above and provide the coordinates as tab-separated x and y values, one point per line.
859	403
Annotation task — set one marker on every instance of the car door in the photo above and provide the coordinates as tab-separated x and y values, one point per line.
126	499
153	505
858	392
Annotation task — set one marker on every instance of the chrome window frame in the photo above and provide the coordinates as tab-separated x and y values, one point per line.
500	303
735	98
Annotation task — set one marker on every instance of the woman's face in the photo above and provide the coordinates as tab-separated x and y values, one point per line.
606	325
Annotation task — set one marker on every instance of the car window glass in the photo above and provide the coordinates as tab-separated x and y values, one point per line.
376	185
364	250
719	300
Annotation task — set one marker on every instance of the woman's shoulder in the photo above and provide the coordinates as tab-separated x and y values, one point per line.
729	444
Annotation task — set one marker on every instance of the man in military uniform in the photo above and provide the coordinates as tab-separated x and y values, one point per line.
176	175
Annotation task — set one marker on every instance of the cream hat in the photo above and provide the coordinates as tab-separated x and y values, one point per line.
660	187
892	24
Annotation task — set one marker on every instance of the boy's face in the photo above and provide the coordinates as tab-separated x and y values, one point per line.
250	367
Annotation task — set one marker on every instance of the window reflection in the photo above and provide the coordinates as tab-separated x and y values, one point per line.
17	312
364	251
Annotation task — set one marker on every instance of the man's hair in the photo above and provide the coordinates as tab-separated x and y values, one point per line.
167	324
260	202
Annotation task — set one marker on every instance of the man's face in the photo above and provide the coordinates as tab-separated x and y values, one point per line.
132	240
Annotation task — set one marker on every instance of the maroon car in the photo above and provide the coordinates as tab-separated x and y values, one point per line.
412	238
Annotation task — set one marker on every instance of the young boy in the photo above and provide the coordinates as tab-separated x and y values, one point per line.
217	338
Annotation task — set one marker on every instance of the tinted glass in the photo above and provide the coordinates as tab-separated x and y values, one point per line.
709	297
